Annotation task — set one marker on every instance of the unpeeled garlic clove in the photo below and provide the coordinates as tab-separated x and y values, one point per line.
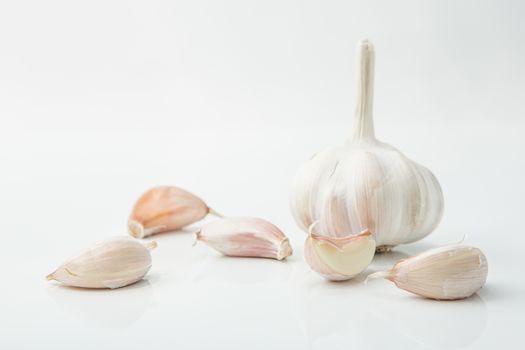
246	237
445	273
165	208
111	264
339	258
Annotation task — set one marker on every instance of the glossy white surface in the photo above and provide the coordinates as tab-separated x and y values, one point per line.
57	199
97	106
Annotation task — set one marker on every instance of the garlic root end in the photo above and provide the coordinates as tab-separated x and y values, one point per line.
197	237
136	229
285	249
384	248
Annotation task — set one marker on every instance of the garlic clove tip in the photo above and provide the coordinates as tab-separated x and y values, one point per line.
212	211
377	275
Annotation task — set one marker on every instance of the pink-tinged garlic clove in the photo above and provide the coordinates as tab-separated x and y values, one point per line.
339	258
445	273
165	208
110	264
246	237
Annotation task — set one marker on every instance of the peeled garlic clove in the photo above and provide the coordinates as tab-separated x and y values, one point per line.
111	264
365	183
339	258
445	273
165	208
246	237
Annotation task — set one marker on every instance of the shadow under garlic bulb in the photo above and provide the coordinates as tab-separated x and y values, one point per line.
365	183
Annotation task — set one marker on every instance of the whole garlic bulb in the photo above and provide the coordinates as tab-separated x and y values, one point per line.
367	184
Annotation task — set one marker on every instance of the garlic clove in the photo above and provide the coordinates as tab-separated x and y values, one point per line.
339	258
165	208
365	183
246	237
111	264
445	273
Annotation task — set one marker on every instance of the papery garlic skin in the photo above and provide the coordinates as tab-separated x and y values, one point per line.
339	258
367	184
165	208
246	237
111	264
445	273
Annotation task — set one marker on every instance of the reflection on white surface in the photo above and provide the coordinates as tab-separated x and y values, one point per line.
345	314
436	324
385	261
117	308
253	270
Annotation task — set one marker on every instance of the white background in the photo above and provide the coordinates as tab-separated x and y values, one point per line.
100	100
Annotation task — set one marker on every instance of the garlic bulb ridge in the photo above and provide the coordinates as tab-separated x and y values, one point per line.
365	183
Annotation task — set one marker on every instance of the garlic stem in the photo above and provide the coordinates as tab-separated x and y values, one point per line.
364	123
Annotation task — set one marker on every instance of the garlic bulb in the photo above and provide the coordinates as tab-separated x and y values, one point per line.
445	273
246	237
111	264
339	258
165	208
367	184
